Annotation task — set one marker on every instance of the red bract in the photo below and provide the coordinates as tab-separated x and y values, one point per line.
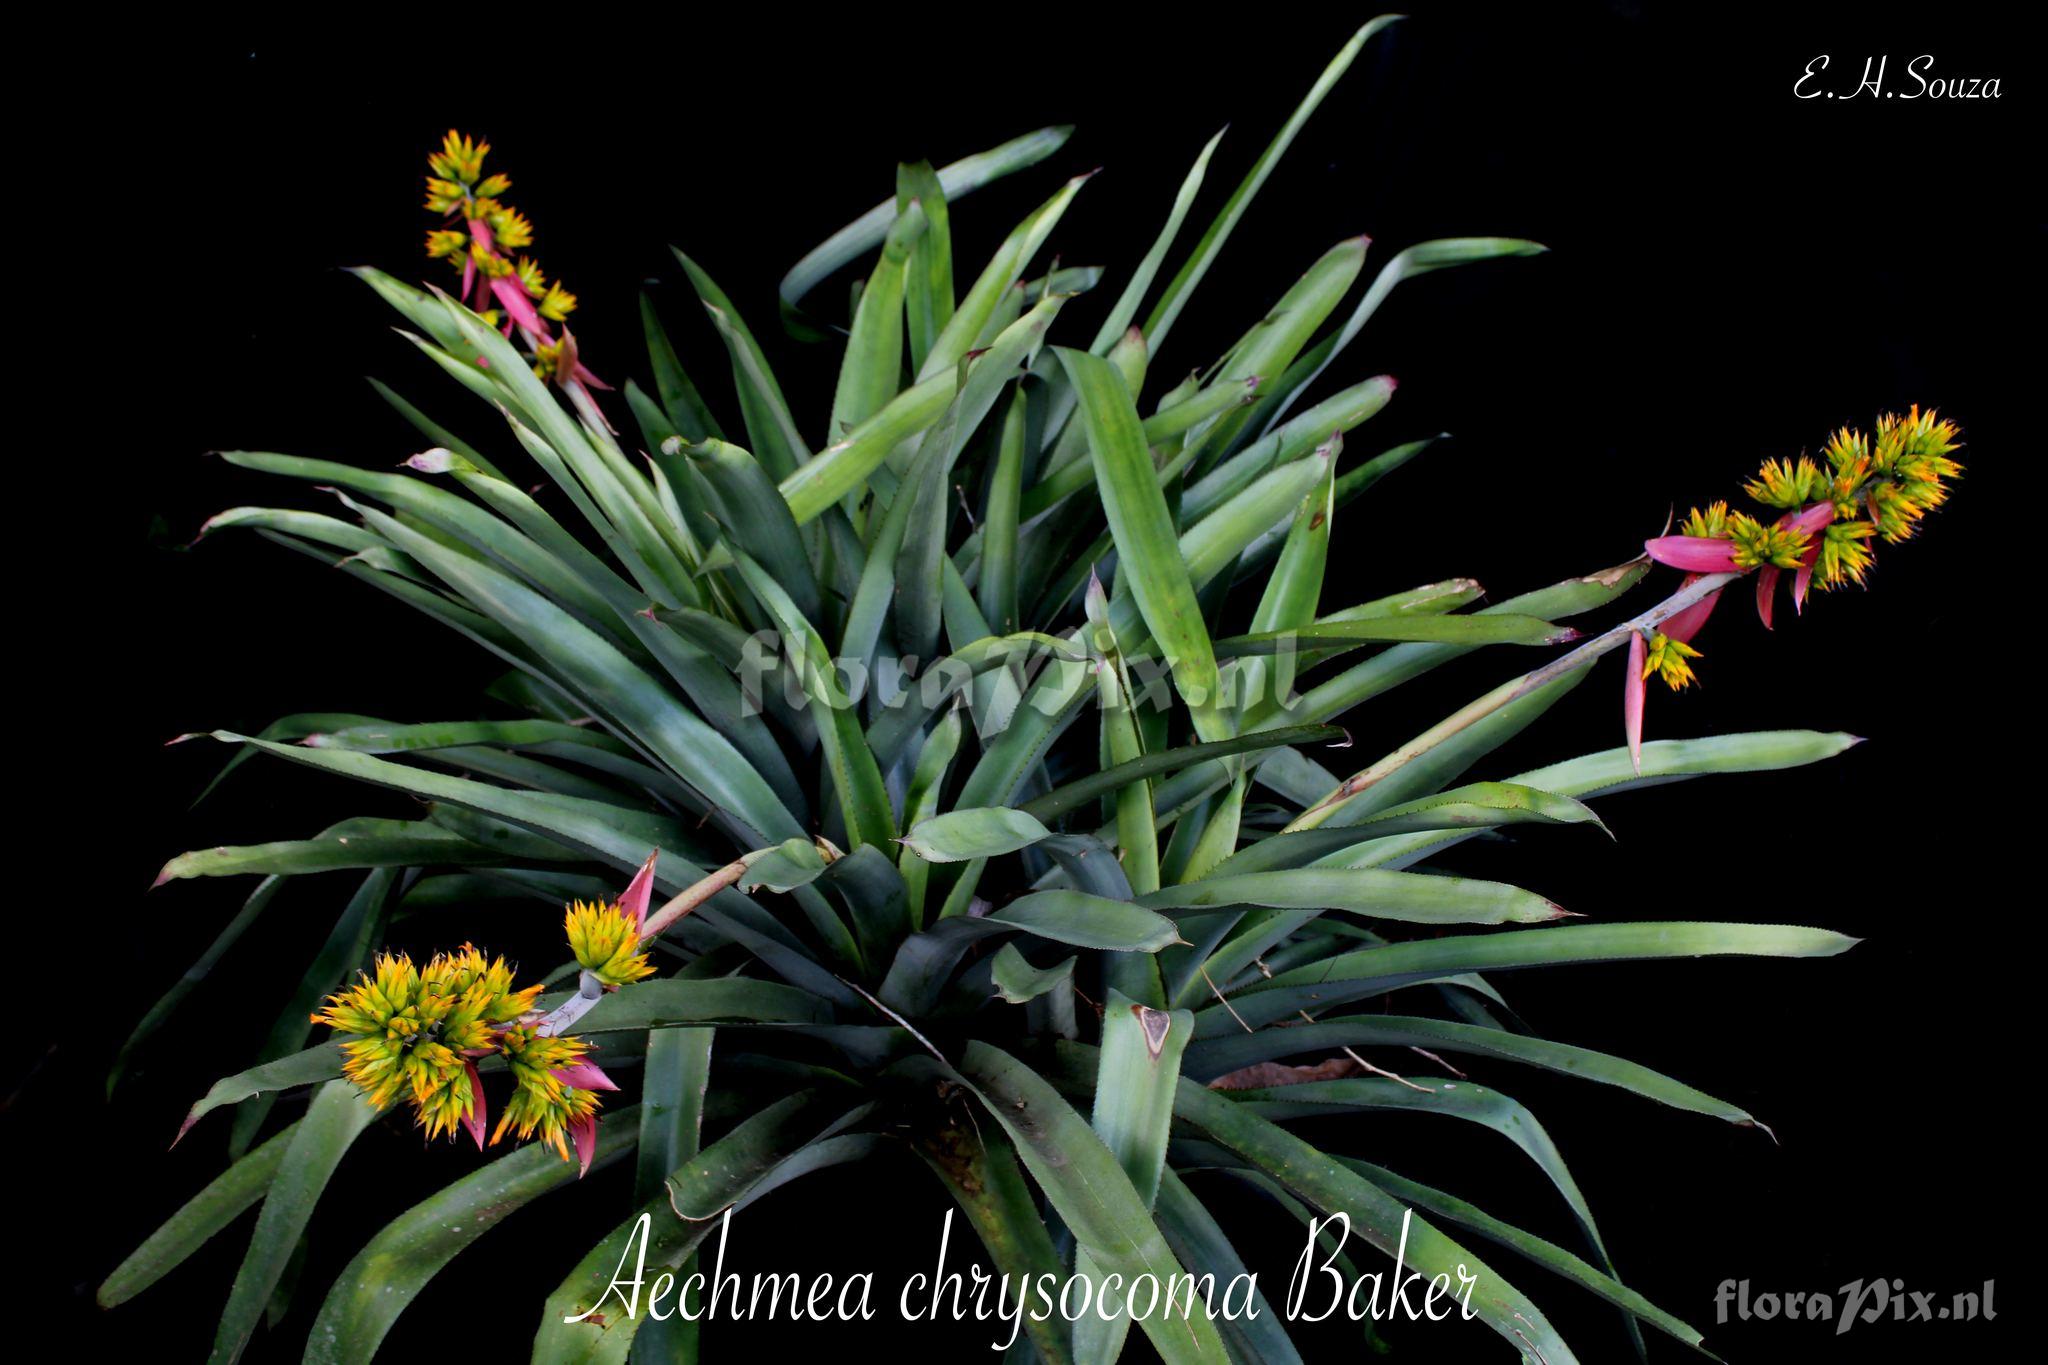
1694	554
639	892
474	1120
1812	521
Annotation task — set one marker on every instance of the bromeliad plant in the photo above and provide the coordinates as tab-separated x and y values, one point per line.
972	760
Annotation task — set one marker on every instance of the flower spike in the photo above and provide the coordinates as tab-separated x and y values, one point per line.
1829	511
495	284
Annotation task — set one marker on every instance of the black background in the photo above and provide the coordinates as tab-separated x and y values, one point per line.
1733	273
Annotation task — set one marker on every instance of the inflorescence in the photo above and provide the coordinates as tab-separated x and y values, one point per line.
1830	512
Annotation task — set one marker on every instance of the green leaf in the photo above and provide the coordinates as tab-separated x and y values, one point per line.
335	1119
771	431
252	910
963	332
1126	306
1081	791
997	591
1406	896
984	832
667	1002
1477	806
1224	1054
1333	1188
1374	971
1147	548
1453	1099
680	401
396	1264
354	844
1668	760
926	960
783	868
1551	1257
921	802
1198	1240
873	365
196	1221
957	180
310	1067
1018	982
716	1178
612	833
929	485
1273	342
358	928
427	427
756	519
863	799
1094	1197
978	1166
845	466
1459	630
597	670
1177	293
1419	259
928	281
1138	1068
675	1079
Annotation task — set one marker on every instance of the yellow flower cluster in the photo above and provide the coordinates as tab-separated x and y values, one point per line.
415	1030
1880	489
1666	658
542	1102
457	188
606	943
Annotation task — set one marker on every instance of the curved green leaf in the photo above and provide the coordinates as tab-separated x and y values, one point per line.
396	1264
196	1221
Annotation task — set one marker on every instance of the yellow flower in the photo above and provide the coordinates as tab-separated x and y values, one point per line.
1666	658
510	228
413	1029
492	265
444	196
1711	524
460	158
1757	544
558	304
446	244
606	943
1844	558
541	1101
1787	484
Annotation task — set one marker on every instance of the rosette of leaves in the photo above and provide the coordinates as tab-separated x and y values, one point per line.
984	727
